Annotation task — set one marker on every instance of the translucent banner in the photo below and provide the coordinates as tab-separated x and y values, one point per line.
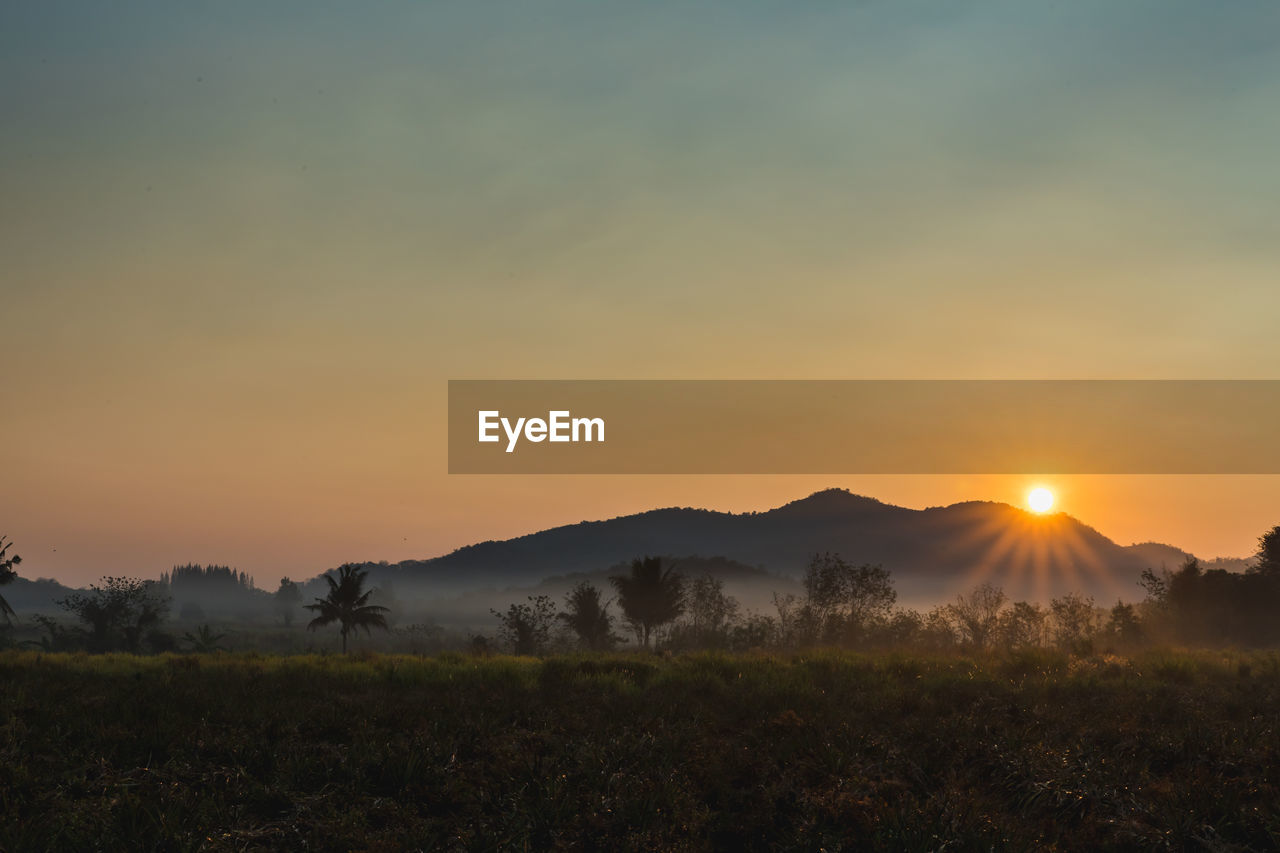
864	427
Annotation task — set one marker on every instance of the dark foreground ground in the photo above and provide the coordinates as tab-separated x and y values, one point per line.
825	751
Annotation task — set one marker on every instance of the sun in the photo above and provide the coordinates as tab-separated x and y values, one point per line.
1040	499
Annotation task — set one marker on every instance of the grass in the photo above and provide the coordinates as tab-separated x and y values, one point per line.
834	751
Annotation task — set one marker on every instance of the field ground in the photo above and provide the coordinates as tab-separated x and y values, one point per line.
834	751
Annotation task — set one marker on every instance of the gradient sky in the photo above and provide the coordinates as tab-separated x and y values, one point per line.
243	245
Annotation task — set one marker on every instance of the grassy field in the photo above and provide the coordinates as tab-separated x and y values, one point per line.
815	751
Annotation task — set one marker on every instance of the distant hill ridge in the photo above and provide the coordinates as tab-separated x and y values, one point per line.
931	552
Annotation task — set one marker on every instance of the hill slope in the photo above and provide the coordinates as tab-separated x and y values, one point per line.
932	553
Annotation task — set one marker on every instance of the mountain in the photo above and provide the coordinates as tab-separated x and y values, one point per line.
933	553
1159	556
36	596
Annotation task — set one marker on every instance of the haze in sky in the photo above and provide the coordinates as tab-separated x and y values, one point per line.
243	247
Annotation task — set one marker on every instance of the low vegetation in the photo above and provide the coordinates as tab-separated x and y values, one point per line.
841	722
826	750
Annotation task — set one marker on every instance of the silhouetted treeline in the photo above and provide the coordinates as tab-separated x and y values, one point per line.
844	605
197	577
657	606
1214	607
202	592
117	615
852	606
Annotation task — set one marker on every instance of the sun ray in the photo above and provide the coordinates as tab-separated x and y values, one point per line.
1036	556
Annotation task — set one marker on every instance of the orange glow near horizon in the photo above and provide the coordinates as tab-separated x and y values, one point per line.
269	523
241	265
1032	555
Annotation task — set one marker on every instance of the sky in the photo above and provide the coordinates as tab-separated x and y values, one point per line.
243	247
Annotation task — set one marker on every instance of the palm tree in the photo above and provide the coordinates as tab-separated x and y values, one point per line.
649	597
348	604
7	574
589	617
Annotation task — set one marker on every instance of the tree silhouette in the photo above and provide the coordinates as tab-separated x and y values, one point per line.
1214	606
1022	625
204	641
347	604
1075	620
842	600
57	638
288	598
649	597
589	618
120	614
1269	553
709	615
977	615
527	627
7	574
1125	625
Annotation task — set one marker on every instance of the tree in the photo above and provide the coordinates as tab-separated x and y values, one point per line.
902	629
527	627
1157	586
347	604
120	614
204	641
57	638
938	630
1215	606
977	615
7	575
1268	562
709	614
797	624
1075	620
649	597
589	618
1124	624
1022	625
843	600
288	599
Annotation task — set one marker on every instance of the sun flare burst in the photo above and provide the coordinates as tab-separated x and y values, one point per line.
1040	499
